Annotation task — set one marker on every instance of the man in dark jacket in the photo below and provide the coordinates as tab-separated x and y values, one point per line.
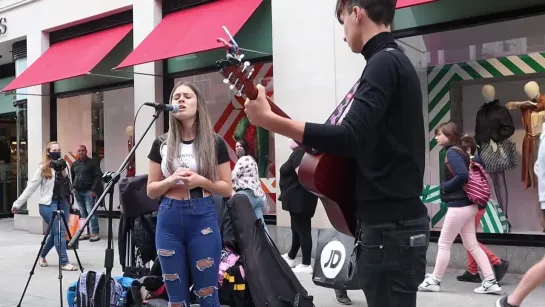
86	179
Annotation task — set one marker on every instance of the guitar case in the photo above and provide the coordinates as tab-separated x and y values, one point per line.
271	281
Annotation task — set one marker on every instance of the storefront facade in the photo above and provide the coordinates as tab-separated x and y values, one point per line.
457	47
486	57
80	94
149	49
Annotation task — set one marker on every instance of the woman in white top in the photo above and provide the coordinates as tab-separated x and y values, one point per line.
245	179
44	177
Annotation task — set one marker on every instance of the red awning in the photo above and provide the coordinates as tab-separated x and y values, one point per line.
192	30
407	3
70	58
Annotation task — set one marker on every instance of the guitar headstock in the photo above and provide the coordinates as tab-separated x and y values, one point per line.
238	73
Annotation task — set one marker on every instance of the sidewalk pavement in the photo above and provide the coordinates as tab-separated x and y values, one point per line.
18	251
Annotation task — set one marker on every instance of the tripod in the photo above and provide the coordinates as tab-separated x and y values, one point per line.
58	216
111	179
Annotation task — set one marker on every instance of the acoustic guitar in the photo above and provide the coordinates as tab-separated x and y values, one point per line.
330	177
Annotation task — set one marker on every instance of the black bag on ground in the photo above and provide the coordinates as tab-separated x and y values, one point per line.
333	256
270	279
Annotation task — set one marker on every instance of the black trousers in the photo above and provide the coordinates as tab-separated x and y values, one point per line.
388	268
301	236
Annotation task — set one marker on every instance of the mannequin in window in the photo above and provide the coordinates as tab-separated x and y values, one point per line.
532	120
494	125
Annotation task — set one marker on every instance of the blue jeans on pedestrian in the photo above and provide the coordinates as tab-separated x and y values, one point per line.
86	203
46	211
258	204
188	242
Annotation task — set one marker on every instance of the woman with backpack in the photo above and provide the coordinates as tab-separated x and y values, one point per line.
460	217
499	265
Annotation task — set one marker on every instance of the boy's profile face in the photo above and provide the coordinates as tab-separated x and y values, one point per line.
353	20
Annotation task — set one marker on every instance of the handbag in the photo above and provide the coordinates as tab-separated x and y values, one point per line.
504	158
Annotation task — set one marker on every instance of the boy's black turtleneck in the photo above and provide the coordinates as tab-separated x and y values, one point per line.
384	133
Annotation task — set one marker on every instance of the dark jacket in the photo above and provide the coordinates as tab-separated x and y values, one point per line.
86	175
294	197
494	122
455	177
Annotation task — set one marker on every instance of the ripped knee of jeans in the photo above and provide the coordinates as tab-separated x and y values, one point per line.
204	264
205	292
165	252
206	231
171	277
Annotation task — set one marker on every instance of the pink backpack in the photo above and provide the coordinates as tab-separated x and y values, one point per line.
477	187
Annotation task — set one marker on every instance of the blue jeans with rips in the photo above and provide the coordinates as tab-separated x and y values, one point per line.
188	242
46	211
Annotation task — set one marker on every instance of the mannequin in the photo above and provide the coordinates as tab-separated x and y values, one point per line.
532	119
494	125
131	172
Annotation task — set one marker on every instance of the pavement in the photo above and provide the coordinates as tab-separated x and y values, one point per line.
18	251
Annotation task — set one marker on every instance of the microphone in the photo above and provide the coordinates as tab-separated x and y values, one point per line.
174	108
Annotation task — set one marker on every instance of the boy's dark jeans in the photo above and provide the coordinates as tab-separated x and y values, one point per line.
389	269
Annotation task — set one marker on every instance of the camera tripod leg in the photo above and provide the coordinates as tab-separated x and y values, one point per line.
70	238
60	216
42	244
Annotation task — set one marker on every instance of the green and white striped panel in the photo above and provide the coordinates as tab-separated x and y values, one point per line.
493	220
439	84
440	78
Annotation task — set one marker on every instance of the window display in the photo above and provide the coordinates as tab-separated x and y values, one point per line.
488	79
98	121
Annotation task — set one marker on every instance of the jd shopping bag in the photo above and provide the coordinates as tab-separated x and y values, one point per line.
333	254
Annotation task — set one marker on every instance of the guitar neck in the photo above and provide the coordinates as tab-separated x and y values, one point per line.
276	110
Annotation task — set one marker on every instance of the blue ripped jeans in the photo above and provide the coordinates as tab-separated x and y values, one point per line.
188	243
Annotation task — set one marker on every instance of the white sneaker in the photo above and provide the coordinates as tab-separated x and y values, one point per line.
430	284
291	262
488	287
301	268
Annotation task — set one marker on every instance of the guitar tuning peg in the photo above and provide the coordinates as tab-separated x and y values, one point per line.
226	81
246	64
232	87
238	93
249	76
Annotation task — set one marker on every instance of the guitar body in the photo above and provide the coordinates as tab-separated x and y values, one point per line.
331	178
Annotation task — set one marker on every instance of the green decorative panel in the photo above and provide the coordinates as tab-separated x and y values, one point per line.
6	101
256	34
451	10
104	68
440	80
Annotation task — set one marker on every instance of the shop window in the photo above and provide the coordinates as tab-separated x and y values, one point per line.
98	121
507	56
227	115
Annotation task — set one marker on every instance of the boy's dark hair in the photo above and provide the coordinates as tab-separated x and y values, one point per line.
468	142
379	11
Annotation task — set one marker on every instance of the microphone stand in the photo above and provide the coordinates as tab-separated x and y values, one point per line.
111	179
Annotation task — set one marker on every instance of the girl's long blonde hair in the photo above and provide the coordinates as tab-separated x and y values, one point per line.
204	145
46	169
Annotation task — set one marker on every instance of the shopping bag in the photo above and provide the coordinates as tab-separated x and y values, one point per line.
333	255
73	226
